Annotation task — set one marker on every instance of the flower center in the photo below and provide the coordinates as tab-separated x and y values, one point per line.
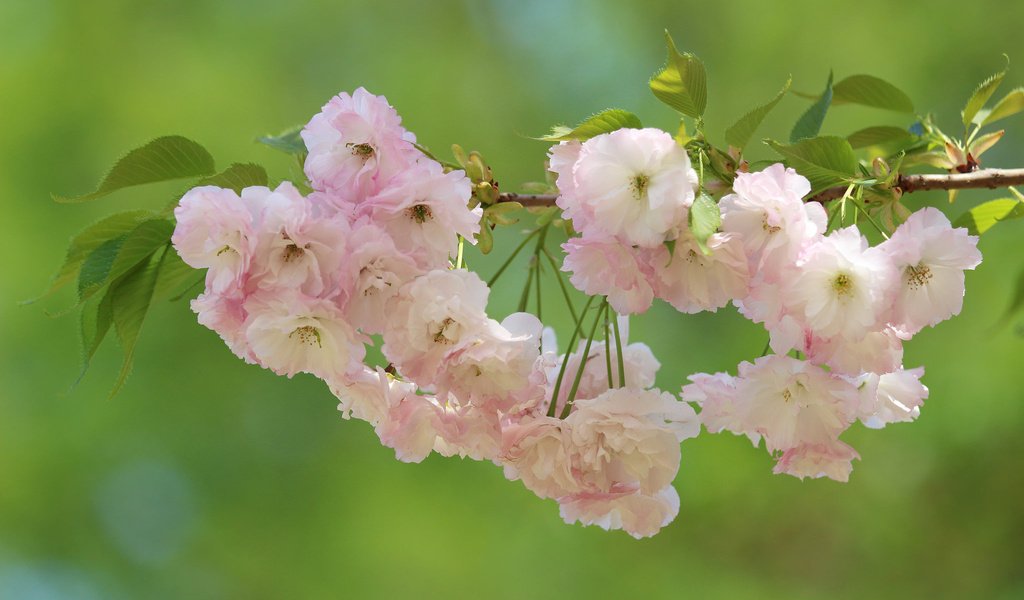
307	336
917	276
364	151
225	250
842	285
441	336
769	229
420	213
639	184
787	395
293	252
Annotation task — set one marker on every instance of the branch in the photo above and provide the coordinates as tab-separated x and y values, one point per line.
985	178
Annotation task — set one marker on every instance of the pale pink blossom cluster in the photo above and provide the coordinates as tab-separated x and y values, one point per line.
842	306
629	192
301	283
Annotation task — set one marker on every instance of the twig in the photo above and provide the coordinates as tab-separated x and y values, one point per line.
984	178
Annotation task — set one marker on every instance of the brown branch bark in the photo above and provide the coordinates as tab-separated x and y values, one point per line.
984	178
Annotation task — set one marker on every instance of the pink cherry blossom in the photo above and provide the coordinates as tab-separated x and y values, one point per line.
538	452
289	332
692	281
842	287
424	209
435	314
826	459
639	514
373	272
215	231
637	184
930	257
767	211
607	267
629	436
356	144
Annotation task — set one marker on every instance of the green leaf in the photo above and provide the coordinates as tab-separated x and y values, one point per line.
826	161
288	141
981	95
868	90
117	256
163	159
682	83
878	136
173	277
87	240
605	121
1010	105
981	218
238	177
130	302
705	218
809	124
97	316
741	131
485	239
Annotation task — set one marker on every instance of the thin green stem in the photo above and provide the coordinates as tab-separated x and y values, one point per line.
864	211
608	350
565	358
561	283
583	360
536	272
458	258
508	261
767	346
526	288
618	352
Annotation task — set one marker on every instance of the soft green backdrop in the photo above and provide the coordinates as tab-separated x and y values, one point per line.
208	478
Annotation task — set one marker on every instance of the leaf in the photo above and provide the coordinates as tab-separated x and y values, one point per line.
981	95
741	131
97	316
825	161
485	239
682	83
981	218
119	255
163	159
705	218
878	136
605	121
288	141
238	177
1010	105
868	90
809	124
130	302
174	274
87	240
983	143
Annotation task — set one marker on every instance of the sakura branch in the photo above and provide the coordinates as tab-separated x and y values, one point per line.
981	179
370	249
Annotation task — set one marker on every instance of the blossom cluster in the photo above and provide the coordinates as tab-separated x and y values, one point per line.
301	283
843	307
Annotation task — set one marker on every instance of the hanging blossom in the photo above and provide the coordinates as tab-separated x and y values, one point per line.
298	283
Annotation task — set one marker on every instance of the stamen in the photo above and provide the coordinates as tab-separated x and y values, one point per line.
308	335
917	277
420	213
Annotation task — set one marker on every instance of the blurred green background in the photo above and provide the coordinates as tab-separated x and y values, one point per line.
209	478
